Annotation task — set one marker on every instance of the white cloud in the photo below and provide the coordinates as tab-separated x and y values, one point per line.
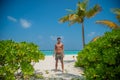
25	23
12	19
91	34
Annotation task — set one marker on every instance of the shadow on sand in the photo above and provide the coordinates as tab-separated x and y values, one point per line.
69	76
58	70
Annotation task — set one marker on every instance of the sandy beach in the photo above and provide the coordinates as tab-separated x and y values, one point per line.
47	68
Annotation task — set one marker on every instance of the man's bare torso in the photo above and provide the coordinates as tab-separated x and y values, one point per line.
59	48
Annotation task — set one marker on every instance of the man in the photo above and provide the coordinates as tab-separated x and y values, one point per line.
59	53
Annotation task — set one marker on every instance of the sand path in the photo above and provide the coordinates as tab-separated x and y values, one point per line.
47	68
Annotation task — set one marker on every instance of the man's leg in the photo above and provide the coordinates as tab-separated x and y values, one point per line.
62	64
56	64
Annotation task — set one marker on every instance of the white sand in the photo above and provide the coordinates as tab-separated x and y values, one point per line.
48	65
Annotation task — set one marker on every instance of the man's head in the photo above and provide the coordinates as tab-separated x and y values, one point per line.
59	39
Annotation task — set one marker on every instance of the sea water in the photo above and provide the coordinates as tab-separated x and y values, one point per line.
66	52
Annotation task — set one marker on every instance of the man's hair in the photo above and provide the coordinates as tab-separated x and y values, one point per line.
58	38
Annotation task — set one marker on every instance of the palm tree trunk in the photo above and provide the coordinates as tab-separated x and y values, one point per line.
83	38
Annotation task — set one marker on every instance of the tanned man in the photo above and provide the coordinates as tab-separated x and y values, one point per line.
59	53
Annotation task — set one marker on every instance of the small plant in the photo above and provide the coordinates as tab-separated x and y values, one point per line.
39	76
46	71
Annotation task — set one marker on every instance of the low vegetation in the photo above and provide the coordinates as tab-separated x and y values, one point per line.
101	58
16	56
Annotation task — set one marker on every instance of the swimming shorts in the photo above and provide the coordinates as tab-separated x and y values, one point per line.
59	56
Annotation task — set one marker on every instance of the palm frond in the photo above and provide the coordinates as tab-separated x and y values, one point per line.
116	11
82	5
85	4
70	11
64	19
108	23
93	11
118	17
80	11
73	18
72	22
95	38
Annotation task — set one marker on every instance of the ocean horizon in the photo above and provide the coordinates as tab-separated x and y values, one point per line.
66	52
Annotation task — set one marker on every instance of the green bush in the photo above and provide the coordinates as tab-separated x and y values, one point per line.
101	59
15	56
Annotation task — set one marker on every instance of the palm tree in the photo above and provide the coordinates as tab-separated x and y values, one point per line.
109	23
79	15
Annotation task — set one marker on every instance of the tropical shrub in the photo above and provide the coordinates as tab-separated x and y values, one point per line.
16	56
101	58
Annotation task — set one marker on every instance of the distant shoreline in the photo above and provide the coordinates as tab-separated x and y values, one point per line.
66	52
64	55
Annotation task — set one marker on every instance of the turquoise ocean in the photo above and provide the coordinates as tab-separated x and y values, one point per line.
66	52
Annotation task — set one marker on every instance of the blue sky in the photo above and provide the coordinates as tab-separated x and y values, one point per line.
37	21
